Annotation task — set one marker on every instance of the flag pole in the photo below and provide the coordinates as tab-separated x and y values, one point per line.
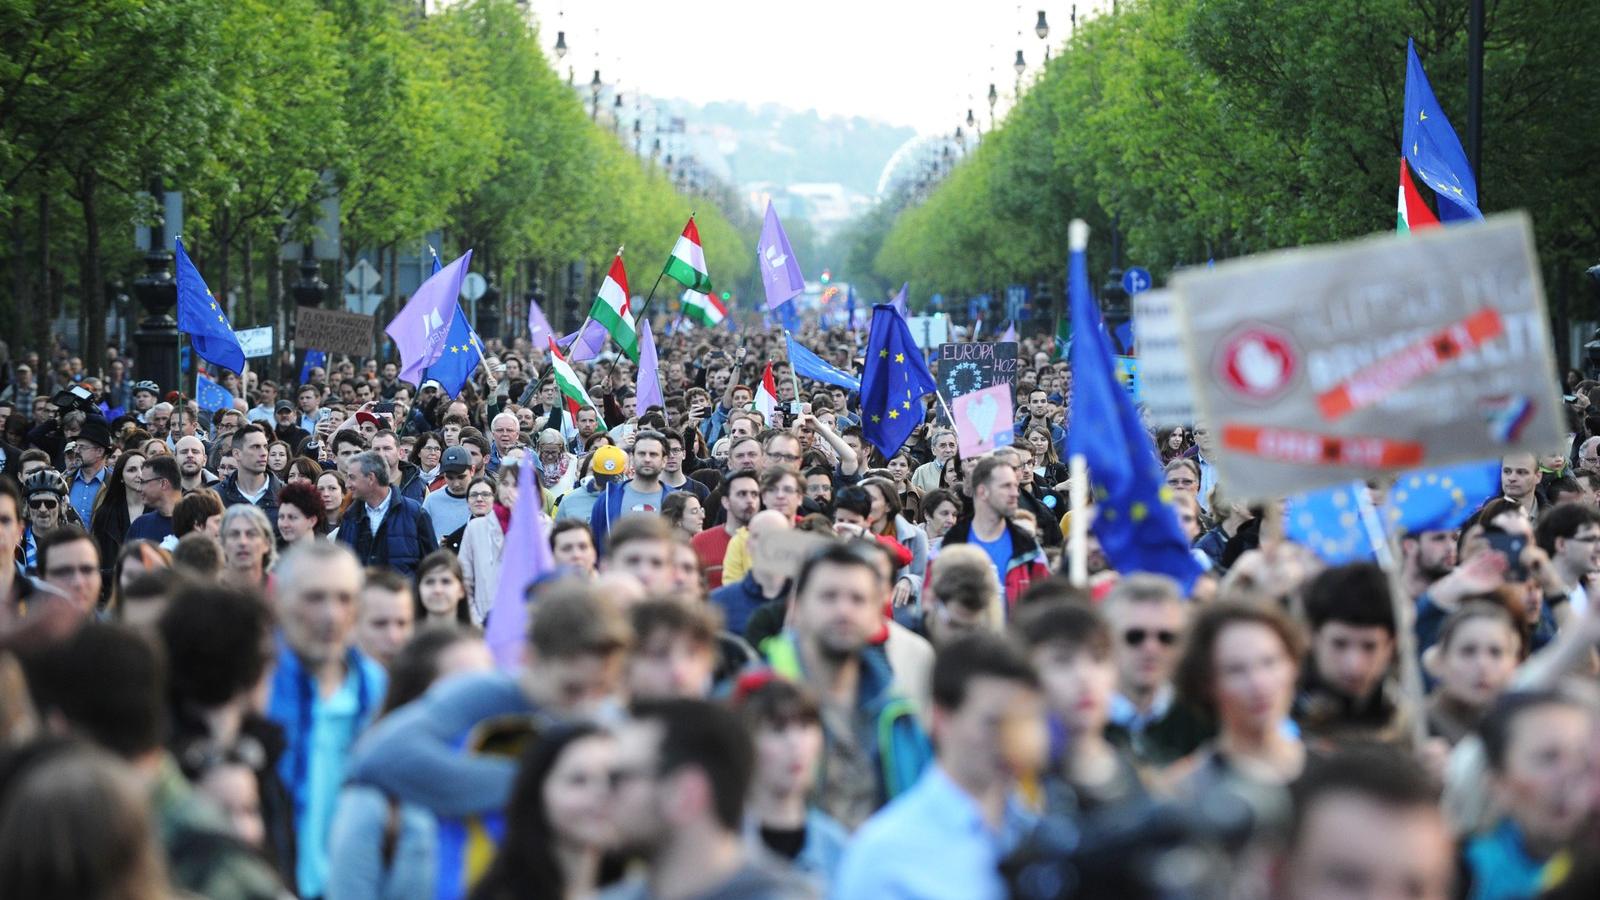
1078	526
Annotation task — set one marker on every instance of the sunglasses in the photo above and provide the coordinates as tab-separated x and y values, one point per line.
1133	637
43	503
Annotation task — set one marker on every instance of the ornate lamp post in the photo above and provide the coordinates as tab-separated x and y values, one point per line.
994	97
156	341
594	94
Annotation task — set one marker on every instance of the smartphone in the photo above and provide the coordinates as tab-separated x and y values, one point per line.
794	407
324	414
1512	546
386	408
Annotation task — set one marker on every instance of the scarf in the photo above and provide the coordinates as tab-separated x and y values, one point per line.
550	476
503	514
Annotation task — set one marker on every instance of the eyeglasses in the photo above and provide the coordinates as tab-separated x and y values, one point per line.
480	495
784	457
1133	637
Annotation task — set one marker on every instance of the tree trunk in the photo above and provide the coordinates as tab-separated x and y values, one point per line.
222	289
94	297
247	259
275	302
42	323
21	283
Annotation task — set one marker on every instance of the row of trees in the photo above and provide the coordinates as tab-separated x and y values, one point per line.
1216	128
259	110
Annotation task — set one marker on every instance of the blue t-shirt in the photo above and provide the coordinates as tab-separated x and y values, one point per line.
152	526
999	551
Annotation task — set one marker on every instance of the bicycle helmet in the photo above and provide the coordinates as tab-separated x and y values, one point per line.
45	481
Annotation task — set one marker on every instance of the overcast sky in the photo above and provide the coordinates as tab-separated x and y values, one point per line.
919	63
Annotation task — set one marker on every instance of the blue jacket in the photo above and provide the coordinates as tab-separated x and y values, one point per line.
403	538
738	601
899	748
231	495
608	509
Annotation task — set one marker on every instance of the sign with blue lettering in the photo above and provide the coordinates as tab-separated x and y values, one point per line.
1016	301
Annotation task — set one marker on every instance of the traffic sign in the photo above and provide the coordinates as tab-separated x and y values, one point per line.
1136	281
363	278
473	286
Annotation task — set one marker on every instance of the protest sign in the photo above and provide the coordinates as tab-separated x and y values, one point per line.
1164	387
333	331
1319	366
975	365
255	342
929	331
983	420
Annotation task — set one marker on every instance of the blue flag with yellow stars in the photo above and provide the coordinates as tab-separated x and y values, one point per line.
1440	499
202	318
1432	148
462	353
1335	523
211	396
1136	525
894	383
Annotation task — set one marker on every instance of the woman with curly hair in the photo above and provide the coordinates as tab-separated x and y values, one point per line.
300	515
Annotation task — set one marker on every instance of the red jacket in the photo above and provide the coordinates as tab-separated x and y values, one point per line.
1026	566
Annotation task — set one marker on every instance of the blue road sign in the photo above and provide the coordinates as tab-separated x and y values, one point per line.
1136	281
1016	301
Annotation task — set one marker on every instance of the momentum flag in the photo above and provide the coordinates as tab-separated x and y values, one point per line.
1414	212
613	310
538	326
705	309
647	389
1431	147
900	302
687	264
895	380
421	330
203	320
568	381
780	271
507	628
1136	525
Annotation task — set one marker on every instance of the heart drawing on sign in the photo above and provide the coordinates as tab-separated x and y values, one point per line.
982	413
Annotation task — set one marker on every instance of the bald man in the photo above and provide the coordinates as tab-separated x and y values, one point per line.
761	585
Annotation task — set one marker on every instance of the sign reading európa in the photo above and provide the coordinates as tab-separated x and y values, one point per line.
333	331
1323	365
974	365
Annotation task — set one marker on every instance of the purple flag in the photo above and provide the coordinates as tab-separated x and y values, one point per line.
525	559
586	343
1011	333
780	271
539	330
899	302
420	329
647	392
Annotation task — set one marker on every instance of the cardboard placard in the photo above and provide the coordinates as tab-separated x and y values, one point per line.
983	420
1324	365
974	365
333	331
1163	367
787	552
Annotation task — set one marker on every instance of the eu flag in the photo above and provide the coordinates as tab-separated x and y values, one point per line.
895	380
1336	523
809	365
462	353
315	359
1138	530
1431	147
211	396
203	319
1440	499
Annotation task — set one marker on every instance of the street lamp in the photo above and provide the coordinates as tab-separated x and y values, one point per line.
994	97
594	93
561	44
156	342
1042	28
1020	65
638	136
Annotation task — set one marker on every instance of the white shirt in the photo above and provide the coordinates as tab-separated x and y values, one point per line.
375	514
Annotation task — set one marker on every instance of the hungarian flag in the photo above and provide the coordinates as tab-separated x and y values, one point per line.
767	396
1414	211
703	308
568	381
687	264
611	309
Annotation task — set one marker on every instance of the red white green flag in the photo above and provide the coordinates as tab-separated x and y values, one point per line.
612	309
1414	212
766	398
687	264
568	381
705	309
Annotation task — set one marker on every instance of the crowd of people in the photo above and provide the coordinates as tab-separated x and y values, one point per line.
242	653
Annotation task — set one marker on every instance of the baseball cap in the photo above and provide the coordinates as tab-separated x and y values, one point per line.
431	383
283	406
455	459
367	418
609	460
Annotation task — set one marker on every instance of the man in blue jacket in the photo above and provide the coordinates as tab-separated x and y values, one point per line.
645	492
383	527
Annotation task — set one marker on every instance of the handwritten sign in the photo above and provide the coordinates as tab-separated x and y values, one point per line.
785	551
983	420
975	365
333	331
1323	365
